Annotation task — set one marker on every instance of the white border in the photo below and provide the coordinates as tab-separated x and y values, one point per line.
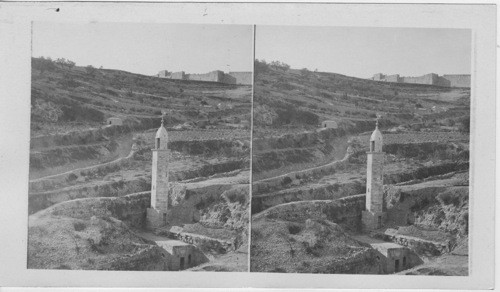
15	19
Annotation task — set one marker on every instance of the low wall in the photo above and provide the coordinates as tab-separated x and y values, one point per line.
39	201
278	182
345	211
53	157
324	192
130	209
205	244
418	245
148	259
54	181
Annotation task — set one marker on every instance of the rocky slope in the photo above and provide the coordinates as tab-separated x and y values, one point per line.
313	246
86	235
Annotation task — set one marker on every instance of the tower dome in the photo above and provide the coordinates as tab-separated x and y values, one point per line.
376	140
161	138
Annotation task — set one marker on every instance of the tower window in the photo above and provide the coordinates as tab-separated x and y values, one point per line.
157	143
372	146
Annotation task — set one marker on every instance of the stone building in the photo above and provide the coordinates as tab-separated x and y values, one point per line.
329	124
447	80
180	255
114	121
243	78
374	215
157	213
393	257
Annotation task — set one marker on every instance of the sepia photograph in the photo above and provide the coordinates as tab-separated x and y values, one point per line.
361	150
140	147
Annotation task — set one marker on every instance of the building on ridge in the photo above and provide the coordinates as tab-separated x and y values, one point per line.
157	213
374	215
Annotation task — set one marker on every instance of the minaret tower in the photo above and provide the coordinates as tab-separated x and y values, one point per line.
157	214
374	215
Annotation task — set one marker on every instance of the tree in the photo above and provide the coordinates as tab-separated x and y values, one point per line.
70	64
260	67
90	70
61	62
65	63
42	64
305	73
277	65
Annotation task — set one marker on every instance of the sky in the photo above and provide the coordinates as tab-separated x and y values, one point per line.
147	48
362	52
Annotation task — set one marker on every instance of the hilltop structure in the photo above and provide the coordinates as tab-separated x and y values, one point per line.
244	78
157	213
452	80
374	216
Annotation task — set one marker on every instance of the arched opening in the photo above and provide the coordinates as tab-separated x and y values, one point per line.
372	146
157	143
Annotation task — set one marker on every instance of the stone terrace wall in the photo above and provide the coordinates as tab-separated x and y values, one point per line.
323	192
130	209
345	211
42	200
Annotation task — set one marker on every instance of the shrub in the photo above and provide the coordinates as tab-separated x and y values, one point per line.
287	180
293	228
79	226
71	177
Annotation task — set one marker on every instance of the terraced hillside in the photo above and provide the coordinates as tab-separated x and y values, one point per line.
77	155
303	171
289	106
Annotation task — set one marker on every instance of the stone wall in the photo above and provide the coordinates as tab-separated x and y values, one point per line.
42	200
228	79
130	209
463	80
242	77
392	78
214	76
324	192
345	211
178	75
429	79
206	244
378	77
163	74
